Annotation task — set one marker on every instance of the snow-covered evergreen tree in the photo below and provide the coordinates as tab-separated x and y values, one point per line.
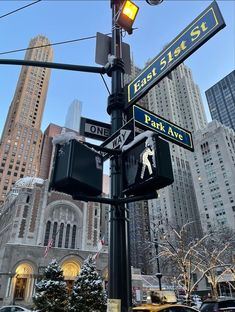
50	292
88	294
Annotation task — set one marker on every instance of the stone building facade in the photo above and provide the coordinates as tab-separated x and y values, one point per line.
31	218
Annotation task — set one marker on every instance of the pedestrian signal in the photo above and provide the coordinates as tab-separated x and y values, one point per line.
77	169
146	166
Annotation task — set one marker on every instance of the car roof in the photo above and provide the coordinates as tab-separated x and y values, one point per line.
13	306
219	300
158	307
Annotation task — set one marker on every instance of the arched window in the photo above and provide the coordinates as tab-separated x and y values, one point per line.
66	245
61	235
54	233
73	237
47	233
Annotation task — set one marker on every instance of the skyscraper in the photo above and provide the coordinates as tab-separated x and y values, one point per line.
20	144
221	100
177	98
73	116
214	175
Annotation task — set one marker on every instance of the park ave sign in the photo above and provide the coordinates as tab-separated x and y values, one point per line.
166	129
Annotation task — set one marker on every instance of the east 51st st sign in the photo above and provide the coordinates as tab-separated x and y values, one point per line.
207	24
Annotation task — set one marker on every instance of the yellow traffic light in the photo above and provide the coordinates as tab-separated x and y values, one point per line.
130	10
127	15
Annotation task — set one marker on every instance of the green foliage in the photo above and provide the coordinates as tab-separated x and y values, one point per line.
88	293
51	294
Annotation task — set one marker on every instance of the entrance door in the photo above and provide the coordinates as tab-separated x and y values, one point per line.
20	288
69	285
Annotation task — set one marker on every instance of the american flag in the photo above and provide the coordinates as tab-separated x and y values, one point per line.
49	245
100	246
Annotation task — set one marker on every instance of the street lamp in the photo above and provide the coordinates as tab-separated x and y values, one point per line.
127	15
154	2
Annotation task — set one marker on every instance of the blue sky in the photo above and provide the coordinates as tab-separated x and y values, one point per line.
67	20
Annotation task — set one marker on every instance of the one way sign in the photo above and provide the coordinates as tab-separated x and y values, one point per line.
94	129
121	137
119	140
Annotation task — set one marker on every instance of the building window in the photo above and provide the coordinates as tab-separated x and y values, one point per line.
47	233
73	237
25	213
66	245
61	232
22	228
54	233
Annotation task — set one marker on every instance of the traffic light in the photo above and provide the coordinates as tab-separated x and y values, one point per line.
127	15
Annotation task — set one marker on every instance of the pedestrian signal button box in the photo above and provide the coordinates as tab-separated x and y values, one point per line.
77	170
147	166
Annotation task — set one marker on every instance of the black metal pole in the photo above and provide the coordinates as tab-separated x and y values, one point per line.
119	263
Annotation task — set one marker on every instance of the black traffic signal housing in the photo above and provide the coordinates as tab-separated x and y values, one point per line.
77	170
146	166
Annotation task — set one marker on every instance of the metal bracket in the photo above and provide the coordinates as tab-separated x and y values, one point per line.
113	64
115	101
103	149
115	202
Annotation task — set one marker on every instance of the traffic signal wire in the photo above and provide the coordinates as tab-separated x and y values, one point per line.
24	7
50	44
105	83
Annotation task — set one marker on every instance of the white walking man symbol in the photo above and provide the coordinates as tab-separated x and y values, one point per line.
144	157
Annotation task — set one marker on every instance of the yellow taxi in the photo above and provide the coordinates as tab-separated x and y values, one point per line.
164	308
163	301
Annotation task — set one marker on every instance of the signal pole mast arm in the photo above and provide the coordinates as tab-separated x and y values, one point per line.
81	68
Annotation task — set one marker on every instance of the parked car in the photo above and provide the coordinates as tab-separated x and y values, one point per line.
164	301
218	305
164	308
13	308
195	301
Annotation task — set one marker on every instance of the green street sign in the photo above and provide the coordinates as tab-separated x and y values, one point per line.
168	130
206	25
